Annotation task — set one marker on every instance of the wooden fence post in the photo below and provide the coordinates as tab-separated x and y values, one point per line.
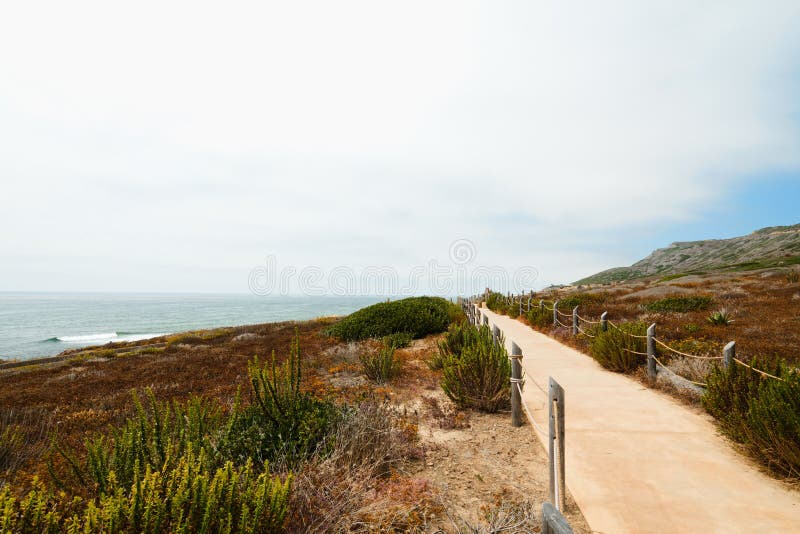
541	306
556	449
495	335
516	385
651	352
555	314
520	305
728	354
575	321
604	321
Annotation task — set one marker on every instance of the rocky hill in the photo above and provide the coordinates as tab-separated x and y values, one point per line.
768	247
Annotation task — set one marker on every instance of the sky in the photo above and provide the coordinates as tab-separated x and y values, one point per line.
188	146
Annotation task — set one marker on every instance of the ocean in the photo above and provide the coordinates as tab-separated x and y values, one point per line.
43	324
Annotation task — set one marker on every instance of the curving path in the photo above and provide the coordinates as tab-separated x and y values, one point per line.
638	461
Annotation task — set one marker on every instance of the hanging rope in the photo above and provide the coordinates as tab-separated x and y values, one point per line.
684	354
587	320
529	414
759	371
701	384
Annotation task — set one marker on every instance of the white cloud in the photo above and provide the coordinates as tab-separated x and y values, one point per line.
174	145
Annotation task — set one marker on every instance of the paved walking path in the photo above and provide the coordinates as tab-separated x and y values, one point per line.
638	461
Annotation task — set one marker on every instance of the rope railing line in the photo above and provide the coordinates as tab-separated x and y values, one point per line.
562	314
635	352
585	333
676	351
585	320
701	384
759	371
534	424
562	324
626	333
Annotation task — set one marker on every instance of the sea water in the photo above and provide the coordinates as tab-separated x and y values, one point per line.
44	324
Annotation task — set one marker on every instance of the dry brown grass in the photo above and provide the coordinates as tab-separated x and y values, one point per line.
762	304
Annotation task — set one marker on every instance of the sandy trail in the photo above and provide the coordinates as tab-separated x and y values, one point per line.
637	460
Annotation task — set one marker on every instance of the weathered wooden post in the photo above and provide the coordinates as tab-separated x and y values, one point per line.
485	319
520	305
516	385
495	335
604	321
555	314
553	522
728	354
556	449
529	302
575	321
651	352
541	306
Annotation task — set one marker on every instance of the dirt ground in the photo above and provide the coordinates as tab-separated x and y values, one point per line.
488	462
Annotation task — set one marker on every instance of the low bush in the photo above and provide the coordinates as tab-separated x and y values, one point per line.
581	299
456	338
187	497
614	349
380	365
285	423
399	340
479	377
415	316
496	302
540	318
762	413
680	304
773	424
157	437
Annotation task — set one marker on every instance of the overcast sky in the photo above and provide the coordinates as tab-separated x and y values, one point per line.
174	146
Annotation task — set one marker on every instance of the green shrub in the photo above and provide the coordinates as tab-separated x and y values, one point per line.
398	341
793	277
513	310
773	423
187	497
760	412
720	317
285	423
154	439
453	342
612	348
679	304
496	302
479	377
581	299
539	318
729	393
380	365
416	316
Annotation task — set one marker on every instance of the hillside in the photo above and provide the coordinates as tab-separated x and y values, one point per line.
768	247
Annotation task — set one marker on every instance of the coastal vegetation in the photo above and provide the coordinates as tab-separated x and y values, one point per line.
258	428
475	369
414	316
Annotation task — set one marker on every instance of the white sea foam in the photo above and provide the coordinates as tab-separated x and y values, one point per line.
89	338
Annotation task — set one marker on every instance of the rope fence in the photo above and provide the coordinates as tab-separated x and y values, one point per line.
653	342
